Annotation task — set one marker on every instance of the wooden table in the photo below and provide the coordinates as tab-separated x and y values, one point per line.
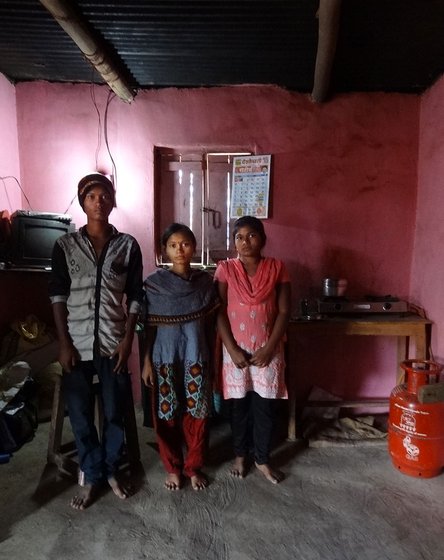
404	327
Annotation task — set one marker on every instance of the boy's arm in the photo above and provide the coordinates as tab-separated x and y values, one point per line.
125	346
68	355
134	294
59	288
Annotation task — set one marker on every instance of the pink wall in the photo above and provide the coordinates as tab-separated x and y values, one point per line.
10	195
344	184
427	287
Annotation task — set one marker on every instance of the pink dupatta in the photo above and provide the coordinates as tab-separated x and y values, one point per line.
268	274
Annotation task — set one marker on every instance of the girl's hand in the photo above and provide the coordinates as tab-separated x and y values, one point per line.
262	357
148	375
241	359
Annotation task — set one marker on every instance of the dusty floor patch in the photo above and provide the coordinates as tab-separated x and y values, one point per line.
334	504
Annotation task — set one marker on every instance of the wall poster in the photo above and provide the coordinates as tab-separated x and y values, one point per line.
251	186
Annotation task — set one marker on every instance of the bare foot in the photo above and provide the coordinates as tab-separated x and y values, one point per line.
273	476
172	482
84	498
199	481
239	467
119	490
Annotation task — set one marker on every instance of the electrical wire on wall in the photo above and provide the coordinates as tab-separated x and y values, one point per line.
99	118
101	126
3	179
111	96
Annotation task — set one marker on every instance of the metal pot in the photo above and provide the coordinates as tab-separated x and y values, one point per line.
334	287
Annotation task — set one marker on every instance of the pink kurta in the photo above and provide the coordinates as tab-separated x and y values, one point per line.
252	311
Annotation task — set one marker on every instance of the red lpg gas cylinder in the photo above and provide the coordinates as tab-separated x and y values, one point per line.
416	420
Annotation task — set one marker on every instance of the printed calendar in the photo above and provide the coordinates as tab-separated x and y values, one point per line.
251	186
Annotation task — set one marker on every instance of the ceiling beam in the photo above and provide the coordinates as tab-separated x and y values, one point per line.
328	15
91	45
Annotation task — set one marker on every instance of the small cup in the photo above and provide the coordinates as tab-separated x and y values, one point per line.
334	287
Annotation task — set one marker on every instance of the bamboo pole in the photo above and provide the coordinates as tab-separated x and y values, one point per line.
88	41
328	15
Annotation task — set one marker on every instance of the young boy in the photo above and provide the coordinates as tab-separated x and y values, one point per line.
92	269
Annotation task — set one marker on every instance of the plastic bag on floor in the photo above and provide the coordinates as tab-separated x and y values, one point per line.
18	418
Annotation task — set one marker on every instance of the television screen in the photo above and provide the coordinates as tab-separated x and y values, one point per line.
33	237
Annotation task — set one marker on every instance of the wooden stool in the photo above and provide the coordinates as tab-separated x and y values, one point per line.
64	456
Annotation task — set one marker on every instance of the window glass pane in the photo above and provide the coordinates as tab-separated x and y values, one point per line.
193	188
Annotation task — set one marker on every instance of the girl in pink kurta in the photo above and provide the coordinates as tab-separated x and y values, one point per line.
255	292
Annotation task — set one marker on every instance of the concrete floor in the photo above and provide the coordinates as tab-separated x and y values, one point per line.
336	503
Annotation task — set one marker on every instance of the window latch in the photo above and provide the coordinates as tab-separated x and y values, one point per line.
216	216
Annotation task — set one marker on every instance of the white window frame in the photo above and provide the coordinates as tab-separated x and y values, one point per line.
195	208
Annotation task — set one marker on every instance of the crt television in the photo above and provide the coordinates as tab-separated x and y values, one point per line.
33	235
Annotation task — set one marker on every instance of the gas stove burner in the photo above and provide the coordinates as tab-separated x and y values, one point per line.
371	304
389	297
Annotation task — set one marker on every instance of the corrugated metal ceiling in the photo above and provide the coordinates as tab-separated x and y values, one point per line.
388	45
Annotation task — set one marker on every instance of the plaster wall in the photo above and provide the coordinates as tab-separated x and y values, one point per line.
343	198
10	195
427	288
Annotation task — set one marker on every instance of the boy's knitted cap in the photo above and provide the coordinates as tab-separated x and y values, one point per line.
89	181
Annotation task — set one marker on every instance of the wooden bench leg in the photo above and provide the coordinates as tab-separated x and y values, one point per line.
56	426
